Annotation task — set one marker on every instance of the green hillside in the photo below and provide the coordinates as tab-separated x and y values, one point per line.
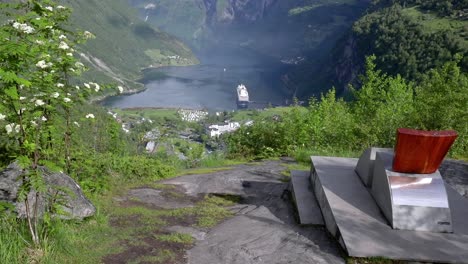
182	18
124	44
408	39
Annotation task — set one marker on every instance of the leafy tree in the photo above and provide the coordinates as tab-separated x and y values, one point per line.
37	63
442	103
382	104
403	46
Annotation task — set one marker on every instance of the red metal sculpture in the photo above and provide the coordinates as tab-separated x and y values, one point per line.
419	151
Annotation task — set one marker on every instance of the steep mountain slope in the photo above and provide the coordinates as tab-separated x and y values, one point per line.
408	39
124	44
300	33
280	28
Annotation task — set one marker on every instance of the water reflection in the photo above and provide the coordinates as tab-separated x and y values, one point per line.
211	85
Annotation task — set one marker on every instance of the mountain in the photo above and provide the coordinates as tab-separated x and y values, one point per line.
299	33
124	44
409	37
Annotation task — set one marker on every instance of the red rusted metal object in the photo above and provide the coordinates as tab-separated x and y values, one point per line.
419	151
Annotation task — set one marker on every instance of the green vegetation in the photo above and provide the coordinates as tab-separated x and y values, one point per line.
48	122
453	8
299	10
382	104
184	19
124	44
413	39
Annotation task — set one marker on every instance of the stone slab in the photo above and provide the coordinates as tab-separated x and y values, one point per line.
306	204
352	216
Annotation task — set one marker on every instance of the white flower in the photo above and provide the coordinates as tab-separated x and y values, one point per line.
63	45
9	128
61	7
120	89
88	35
40	42
76	124
33	123
77	87
79	64
43	118
55	95
39	102
2	117
49	8
71	69
60	85
62	37
22	98
42	64
70	54
66	100
23	27
96	87
86	85
90	116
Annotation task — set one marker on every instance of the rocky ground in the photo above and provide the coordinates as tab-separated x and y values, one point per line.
240	215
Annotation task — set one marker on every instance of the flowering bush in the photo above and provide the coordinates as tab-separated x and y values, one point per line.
37	66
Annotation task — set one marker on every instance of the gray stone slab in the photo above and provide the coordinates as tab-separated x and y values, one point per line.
259	237
306	204
364	232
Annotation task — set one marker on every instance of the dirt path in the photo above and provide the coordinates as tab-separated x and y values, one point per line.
241	215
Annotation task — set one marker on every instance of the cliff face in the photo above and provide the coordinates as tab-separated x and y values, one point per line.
242	11
235	12
348	64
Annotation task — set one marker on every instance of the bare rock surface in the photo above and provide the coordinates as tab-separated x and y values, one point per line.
195	233
263	229
60	187
155	197
260	237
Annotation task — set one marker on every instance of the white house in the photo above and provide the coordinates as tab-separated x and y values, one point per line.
217	130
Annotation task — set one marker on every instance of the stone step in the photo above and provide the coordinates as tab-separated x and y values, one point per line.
304	198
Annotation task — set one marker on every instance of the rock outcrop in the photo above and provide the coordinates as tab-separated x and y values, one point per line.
61	190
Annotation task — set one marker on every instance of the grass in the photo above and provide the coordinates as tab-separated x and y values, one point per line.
203	170
148	113
116	227
163	256
303	9
176	238
432	23
268	112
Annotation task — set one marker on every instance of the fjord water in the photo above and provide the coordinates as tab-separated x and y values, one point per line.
212	84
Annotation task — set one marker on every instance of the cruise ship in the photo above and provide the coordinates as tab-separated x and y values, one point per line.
242	96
